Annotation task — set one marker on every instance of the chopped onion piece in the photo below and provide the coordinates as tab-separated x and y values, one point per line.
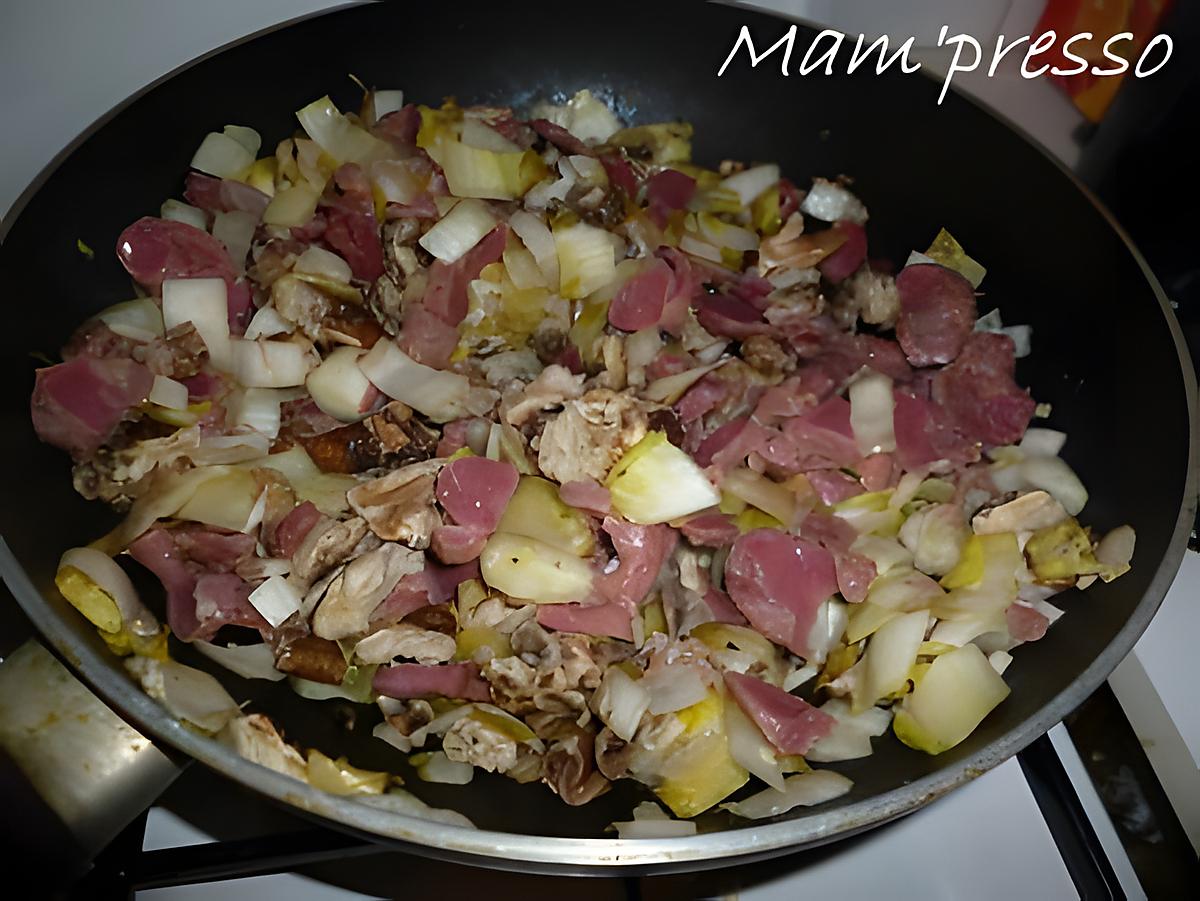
267	323
584	115
539	241
189	694
442	396
871	406
673	688
222	156
1116	548
319	261
1043	442
269	364
459	230
437	767
670	388
523	269
831	202
339	387
801	790
799	676
338	136
1052	474
250	661
620	702
394	180
654	828
851	737
178	211
246	136
276	599
139	319
1022	336
235	230
750	183
387	101
203	303
258	408
166	392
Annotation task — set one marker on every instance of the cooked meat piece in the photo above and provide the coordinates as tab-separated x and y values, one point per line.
255	738
400	505
327	544
551	388
312	658
590	435
178	354
406	640
346	608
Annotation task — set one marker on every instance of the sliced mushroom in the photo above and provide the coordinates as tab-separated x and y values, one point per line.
255	738
358	589
327	544
406	640
312	658
400	505
1025	513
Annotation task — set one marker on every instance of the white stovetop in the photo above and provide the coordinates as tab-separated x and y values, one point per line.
73	61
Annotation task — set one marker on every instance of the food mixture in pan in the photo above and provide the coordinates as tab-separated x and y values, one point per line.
577	460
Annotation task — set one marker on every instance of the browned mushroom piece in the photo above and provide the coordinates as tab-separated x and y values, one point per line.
400	505
312	658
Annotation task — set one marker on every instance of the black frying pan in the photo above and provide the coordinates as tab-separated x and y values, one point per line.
1108	355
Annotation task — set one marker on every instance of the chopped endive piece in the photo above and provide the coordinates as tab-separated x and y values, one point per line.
202	302
532	570
88	598
700	772
953	696
949	253
168	393
586	259
865	619
750	184
657	482
338	777
222	156
801	790
890	654
489	174
666	142
338	136
536	511
225	501
294	206
459	230
1061	551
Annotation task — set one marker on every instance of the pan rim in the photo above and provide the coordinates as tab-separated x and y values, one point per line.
598	856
